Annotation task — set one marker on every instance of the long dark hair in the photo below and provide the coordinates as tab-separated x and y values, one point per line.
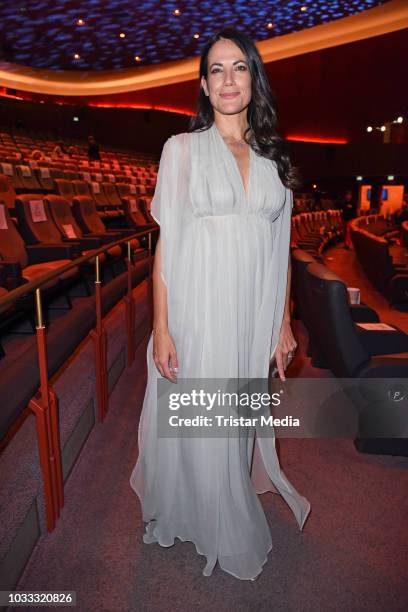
261	134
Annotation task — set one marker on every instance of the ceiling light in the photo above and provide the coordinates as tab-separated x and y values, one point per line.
80	22
303	8
359	178
390	177
270	25
400	119
369	128
383	128
138	58
122	35
177	12
75	118
314	186
77	56
196	36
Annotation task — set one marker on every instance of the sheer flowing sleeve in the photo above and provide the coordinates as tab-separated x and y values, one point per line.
281	235
164	206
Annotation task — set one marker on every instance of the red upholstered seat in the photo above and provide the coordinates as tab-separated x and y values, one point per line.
65	189
18	260
7	191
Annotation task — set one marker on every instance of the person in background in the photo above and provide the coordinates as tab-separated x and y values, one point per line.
72	150
93	149
348	207
37	155
58	151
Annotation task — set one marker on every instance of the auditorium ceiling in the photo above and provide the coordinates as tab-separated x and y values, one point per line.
336	67
117	34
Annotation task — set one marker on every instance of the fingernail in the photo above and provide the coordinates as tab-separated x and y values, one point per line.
175	369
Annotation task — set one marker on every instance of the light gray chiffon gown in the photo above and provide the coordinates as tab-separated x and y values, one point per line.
224	260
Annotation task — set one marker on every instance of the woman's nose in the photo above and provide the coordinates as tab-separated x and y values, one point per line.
229	78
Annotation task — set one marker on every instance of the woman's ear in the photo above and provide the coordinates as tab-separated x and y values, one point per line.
204	85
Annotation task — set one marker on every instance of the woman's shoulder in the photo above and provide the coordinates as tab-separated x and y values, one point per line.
184	142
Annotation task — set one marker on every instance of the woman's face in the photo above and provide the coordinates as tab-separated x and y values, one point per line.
228	82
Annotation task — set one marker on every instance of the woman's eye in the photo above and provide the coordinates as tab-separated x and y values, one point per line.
242	67
214	70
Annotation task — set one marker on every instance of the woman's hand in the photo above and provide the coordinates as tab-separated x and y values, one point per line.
164	351
285	349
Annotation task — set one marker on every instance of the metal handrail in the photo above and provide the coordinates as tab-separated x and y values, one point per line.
36	284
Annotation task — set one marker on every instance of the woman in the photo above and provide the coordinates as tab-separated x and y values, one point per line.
221	310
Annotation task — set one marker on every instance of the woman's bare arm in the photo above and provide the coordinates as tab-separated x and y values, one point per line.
160	322
287	342
164	350
286	313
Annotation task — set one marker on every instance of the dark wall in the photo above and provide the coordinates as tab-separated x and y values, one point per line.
146	130
137	129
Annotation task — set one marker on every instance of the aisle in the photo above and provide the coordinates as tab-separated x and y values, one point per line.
346	265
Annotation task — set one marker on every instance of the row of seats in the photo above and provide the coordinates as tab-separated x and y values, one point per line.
47	234
373	253
315	231
339	342
109	198
16	147
377	225
51	224
25	178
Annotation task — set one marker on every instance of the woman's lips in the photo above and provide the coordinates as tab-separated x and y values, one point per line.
230	95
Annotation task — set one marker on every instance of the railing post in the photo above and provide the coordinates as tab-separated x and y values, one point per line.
100	343
45	407
130	311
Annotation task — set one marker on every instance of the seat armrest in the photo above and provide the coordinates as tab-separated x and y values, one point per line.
390	366
361	313
383	342
85	242
40	253
12	274
10	268
3	275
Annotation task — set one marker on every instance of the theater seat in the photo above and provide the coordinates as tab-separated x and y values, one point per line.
300	261
62	215
26	263
349	357
65	189
347	352
111	194
91	223
7	192
134	215
8	169
45	179
144	204
81	188
28	178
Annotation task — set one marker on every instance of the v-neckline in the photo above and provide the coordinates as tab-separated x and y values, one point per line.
241	179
